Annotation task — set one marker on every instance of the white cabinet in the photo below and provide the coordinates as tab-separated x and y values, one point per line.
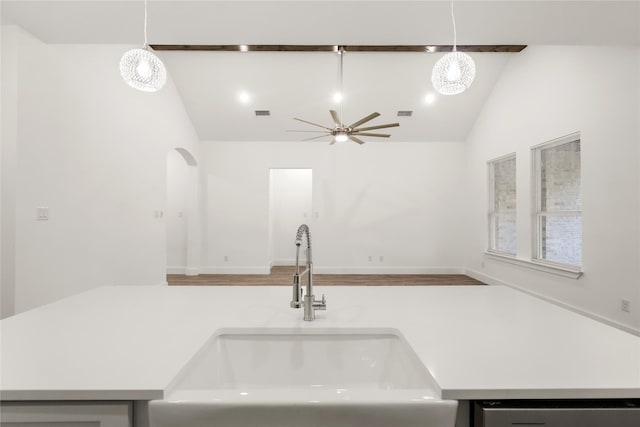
68	414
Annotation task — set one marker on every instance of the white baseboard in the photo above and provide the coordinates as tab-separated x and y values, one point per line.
493	281
192	271
285	262
388	270
176	270
235	270
489	280
337	270
189	271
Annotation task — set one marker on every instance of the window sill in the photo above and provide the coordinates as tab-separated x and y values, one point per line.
572	273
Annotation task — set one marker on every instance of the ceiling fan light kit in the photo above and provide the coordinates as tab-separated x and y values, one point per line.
455	71
342	137
141	68
343	133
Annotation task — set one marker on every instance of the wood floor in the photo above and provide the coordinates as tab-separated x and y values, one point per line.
284	276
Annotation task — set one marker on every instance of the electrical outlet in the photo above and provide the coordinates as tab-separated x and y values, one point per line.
625	305
42	214
370	258
381	258
226	258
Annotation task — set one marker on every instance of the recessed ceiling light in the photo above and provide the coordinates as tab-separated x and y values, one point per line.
337	97
244	48
243	97
429	98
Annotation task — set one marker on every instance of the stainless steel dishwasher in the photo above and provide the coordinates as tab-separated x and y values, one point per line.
557	413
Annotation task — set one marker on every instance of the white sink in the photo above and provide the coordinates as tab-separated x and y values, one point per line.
304	377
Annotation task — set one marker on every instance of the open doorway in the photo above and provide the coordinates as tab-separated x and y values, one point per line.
181	213
290	204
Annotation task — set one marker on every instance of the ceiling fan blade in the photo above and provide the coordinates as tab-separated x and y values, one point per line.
316	137
364	120
335	118
390	125
356	139
311	123
381	135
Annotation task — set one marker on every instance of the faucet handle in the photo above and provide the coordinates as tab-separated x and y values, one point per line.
320	305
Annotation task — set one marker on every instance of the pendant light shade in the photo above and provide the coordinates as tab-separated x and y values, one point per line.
453	73
141	68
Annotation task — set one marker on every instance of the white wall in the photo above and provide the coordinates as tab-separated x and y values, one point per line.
545	93
9	134
176	213
399	201
93	151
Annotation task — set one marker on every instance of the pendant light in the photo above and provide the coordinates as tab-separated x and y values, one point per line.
141	68
454	72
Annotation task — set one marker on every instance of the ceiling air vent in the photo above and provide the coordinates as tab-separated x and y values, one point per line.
263	113
405	113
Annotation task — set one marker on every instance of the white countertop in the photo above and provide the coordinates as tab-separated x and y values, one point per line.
479	342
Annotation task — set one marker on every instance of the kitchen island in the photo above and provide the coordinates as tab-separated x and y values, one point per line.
127	343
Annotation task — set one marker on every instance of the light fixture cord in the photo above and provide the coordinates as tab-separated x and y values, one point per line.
145	23
341	82
453	19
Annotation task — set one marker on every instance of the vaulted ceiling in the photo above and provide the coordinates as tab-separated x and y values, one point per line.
302	84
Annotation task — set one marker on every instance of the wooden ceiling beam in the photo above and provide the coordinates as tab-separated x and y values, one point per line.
335	48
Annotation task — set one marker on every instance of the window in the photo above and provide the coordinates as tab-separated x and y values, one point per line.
502	205
558	202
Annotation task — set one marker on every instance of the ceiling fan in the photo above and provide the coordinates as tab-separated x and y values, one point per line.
341	132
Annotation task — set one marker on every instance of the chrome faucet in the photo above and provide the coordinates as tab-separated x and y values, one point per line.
308	301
